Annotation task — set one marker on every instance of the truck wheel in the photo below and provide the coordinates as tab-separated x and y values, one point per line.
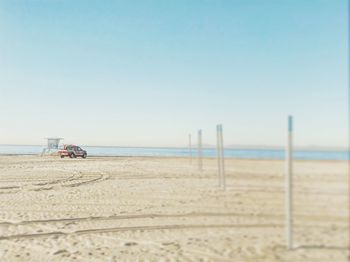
62	156
72	155
84	156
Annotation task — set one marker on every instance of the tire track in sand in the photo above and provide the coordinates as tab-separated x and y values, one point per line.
136	228
75	180
141	216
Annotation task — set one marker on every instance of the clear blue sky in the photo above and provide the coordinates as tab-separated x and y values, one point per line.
150	72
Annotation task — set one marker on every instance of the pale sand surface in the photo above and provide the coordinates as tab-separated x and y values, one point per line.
162	209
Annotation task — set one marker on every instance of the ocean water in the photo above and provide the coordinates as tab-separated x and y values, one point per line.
184	152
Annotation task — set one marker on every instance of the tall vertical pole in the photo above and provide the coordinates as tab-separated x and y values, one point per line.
190	147
200	153
349	127
218	153
222	158
289	183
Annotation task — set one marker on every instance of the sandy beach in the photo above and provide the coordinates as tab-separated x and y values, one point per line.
163	209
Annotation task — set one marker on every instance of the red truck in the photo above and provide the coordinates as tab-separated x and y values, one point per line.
72	151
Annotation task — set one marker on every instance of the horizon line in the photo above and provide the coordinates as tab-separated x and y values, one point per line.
209	146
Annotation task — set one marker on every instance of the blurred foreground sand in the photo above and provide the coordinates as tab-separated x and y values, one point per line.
162	209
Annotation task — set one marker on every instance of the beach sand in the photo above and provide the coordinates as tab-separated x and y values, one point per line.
163	209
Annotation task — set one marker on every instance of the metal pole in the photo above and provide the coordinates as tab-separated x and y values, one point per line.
200	153
190	147
218	152
222	158
289	184
348	3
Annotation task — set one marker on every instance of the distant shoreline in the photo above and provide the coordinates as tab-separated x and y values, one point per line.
194	146
178	157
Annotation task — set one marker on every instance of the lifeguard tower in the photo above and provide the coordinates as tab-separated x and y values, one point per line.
52	145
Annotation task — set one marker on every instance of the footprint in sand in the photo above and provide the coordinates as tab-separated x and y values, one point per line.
130	244
61	251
